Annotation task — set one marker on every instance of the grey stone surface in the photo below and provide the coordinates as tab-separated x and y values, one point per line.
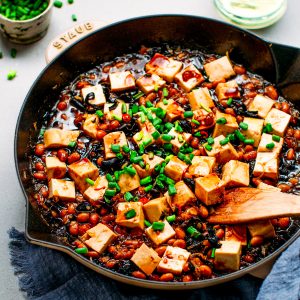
29	63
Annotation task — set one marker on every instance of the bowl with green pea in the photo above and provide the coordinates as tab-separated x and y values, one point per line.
25	21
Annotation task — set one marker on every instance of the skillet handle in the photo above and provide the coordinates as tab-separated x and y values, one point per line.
69	37
287	61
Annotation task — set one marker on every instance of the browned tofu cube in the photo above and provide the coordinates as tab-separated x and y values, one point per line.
219	69
121	81
62	189
155	208
262	104
55	168
173	110
263	228
266	139
93	95
254	131
222	153
150	82
189	78
163	66
227	258
209	189
183	196
96	192
279	121
264	186
146	259
124	220
100	237
150	164
175	168
223	129
200	98
227	90
235	174
159	237
113	138
236	233
266	165
173	260
90	125
128	183
80	171
111	111
56	138
202	165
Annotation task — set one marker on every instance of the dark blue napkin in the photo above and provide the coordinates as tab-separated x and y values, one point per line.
48	274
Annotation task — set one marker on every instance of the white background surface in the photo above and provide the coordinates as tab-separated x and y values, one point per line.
29	63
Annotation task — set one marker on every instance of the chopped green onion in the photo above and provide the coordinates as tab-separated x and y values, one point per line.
117	175
109	177
165	102
135	108
147	141
112	185
156	121
130	214
141	149
115	148
130	170
180	138
138	95
268	128
167	137
168	158
221	121
213	252
142	164
243	126
208	147
99	113
13	53
11	75
70	1
158	226
119	155
172	190
147	223
150	155
117	117
58	4
229	101
224	141
178	127
169	181
195	122
143	109
89	181
205	107
160	112
146	180
169	126
188	114
210	141
83	250
231	136
197	134
110	193
181	156
124	108
240	136
159	184
139	136
126	149
72	144
165	92
276	138
270	145
143	117
168	146
171	218
193	232
156	88
149	104
148	188
136	159
74	18
249	141
128	196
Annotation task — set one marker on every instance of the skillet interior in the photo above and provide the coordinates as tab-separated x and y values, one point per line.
247	49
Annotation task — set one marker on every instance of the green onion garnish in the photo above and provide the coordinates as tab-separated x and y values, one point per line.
147	223
13	53
240	136
117	117
146	180
229	101
74	18
165	92
124	108
243	126
138	95
195	122
193	232
115	148
276	138
148	188
171	218
110	193
99	113
147	142
83	250
188	114
224	141
249	141
221	121
158	226
213	252
268	128
109	177
126	149
172	190
167	137
210	141
89	181
128	196
72	144
11	75
135	108
130	214
270	145
130	170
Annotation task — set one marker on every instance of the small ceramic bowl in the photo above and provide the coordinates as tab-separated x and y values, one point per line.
27	31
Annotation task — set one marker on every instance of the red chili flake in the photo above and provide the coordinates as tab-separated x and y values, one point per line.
144	200
187	75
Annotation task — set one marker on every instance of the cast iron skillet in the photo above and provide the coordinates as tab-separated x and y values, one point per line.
277	63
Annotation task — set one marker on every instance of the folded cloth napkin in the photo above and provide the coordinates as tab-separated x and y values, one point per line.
49	274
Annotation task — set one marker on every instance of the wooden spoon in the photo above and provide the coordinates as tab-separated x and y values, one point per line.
243	205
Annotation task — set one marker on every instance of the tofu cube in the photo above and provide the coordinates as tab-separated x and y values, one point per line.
263	228
146	259
179	139
202	165
80	171
156	208
55	168
94	95
183	196
262	105
96	192
90	125
56	138
200	98
116	137
254	131
236	233
149	82
227	258
144	135
100	237
219	69
159	237
266	165
224	129
128	183
175	168
62	189
279	121
136	221
189	78
116	111
227	90
223	153
121	81
163	66
235	174
209	189
267	139
264	186
151	163
173	260
173	110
